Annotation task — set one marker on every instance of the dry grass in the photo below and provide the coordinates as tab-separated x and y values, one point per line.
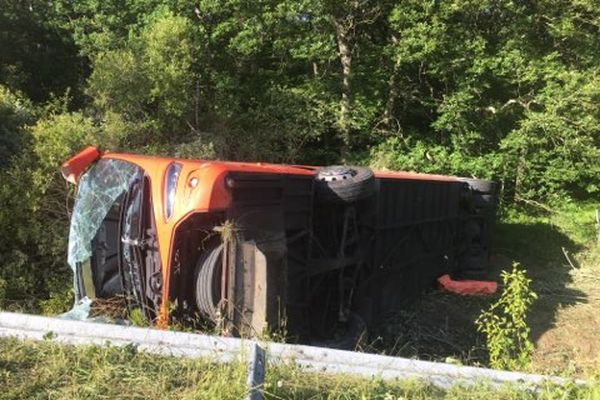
113	308
572	344
227	231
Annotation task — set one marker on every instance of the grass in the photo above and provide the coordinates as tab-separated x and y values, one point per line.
565	320
47	370
562	254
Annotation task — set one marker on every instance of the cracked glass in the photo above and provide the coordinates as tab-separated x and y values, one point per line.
98	190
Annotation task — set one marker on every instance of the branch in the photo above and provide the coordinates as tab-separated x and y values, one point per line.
536	204
566	253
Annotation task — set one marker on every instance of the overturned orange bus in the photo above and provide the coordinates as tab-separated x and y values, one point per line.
250	245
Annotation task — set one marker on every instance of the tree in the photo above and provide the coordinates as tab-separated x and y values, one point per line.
37	56
16	112
146	84
470	94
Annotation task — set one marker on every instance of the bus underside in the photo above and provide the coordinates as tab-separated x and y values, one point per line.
292	254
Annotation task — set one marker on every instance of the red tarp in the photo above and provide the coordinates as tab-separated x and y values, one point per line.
467	288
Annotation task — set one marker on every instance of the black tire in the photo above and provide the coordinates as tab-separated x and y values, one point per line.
474	266
473	275
344	184
480	185
207	282
485	201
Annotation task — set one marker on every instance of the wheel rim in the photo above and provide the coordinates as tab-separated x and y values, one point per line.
335	173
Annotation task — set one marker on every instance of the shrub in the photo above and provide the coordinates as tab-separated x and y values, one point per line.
505	325
35	215
16	113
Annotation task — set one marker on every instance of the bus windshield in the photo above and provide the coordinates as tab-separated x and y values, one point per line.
98	191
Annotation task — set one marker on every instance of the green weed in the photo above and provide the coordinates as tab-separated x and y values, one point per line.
504	323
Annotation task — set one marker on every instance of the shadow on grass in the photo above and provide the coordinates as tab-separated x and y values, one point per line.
440	325
542	250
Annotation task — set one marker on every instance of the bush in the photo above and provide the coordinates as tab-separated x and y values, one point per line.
505	325
16	113
35	214
146	84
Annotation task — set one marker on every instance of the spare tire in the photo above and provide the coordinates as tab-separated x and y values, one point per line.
474	266
343	184
480	185
485	201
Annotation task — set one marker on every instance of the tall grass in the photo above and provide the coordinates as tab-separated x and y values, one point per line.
51	371
47	370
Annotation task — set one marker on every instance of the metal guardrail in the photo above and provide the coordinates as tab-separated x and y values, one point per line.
258	354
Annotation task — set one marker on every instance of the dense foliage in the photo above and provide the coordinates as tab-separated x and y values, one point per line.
497	89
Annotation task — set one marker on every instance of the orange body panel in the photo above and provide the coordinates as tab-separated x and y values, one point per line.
414	176
208	194
73	168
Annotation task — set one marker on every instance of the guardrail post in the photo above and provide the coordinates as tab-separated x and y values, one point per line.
256	373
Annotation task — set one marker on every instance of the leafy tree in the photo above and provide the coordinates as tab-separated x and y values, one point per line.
148	82
36	213
37	57
16	113
484	88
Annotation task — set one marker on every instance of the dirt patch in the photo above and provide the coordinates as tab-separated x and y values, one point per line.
572	343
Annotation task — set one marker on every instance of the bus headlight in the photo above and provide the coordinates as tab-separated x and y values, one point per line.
170	185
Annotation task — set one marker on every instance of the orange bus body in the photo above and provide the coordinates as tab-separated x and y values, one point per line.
202	187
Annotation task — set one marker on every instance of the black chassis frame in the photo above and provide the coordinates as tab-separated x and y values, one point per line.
305	266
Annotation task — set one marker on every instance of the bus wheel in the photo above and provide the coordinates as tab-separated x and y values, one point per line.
480	185
207	282
343	184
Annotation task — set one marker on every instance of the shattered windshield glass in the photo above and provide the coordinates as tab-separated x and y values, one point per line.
98	189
